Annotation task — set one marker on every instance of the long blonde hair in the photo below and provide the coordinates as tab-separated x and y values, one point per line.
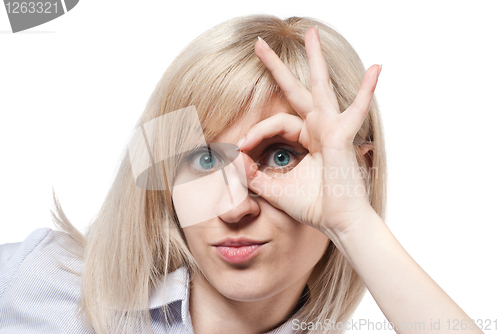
135	239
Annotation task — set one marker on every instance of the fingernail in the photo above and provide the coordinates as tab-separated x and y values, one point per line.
263	42
241	141
380	69
317	30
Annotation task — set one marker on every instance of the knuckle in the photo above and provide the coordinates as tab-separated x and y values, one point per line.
284	118
323	107
316	82
289	93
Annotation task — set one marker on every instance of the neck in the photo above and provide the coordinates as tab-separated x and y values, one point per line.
211	312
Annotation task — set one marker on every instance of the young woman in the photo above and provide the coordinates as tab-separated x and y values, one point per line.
280	236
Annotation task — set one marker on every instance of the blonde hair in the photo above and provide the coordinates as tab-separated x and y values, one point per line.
135	239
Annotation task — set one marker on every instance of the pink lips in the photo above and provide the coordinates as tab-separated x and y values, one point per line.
238	250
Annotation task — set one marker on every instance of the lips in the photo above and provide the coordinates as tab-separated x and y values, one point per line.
238	250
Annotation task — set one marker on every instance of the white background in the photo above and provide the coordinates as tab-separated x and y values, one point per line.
72	89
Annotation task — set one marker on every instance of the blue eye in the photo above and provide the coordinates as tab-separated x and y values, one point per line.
204	161
281	158
207	161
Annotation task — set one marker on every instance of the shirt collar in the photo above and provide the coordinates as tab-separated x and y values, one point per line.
176	288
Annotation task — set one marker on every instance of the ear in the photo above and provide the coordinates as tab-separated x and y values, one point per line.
363	149
366	151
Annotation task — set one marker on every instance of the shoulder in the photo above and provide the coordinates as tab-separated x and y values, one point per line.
6	251
38	275
12	254
44	248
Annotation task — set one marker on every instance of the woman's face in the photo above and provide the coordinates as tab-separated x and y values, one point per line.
290	249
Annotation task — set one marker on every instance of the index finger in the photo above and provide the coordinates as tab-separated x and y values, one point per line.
297	94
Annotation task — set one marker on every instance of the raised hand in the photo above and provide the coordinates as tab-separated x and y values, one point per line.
326	189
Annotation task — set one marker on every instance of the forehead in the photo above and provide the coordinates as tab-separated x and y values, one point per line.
240	127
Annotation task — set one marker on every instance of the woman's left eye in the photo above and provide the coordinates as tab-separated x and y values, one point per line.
282	157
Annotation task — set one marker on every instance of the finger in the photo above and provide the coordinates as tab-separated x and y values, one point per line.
281	124
324	97
296	93
357	111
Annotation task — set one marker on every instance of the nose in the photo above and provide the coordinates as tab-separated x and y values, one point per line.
245	211
245	206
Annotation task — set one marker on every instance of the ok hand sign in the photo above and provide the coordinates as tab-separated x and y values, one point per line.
325	190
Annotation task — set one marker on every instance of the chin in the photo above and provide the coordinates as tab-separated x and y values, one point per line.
248	294
245	284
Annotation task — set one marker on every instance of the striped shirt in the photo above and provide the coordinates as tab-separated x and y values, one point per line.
37	295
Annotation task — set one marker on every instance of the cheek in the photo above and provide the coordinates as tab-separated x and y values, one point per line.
298	246
306	247
195	242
